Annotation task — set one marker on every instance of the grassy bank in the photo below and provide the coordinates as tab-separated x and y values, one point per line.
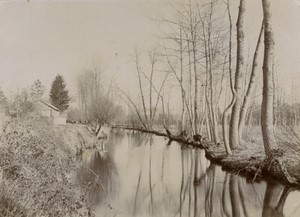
36	161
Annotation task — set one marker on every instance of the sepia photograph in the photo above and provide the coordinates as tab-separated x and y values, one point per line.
149	108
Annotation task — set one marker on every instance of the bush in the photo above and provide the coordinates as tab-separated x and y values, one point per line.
37	163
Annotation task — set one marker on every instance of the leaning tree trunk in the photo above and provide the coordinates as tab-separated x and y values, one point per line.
268	85
235	115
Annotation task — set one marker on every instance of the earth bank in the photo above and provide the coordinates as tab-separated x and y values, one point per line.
36	160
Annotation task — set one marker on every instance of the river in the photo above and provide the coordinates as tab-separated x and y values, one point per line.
143	175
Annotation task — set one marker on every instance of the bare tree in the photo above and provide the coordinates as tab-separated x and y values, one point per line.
227	110
145	118
213	49
268	81
175	55
158	97
239	74
211	34
251	85
83	95
193	34
96	104
138	70
132	106
191	30
181	50
153	58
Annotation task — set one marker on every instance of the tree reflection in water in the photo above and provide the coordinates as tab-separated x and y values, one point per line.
98	177
145	176
275	198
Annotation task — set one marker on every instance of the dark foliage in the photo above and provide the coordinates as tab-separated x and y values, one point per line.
59	95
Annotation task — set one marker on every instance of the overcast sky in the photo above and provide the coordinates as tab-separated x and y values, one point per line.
43	38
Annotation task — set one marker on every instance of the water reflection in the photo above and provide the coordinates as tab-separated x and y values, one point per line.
98	177
141	175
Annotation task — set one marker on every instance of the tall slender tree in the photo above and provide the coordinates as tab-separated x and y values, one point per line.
239	74
228	108
252	82
267	124
59	95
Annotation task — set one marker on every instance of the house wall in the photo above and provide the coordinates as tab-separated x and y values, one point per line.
60	120
46	111
55	114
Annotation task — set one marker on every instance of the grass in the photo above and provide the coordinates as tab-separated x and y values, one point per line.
35	163
8	205
282	163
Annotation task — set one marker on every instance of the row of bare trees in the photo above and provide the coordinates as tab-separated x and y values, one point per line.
196	61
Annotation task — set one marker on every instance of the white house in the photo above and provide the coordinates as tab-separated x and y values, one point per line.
48	110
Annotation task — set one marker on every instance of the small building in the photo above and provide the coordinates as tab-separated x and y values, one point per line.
46	109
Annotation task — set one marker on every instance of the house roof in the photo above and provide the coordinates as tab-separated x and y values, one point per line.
50	105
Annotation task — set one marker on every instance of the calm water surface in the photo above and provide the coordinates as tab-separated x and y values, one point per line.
142	175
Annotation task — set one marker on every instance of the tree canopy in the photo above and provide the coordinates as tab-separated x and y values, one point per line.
59	95
37	90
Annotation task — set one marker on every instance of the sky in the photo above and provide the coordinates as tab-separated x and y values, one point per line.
42	38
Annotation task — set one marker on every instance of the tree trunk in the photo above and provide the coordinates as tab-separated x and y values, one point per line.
251	85
141	86
210	58
239	74
207	120
182	118
194	52
196	88
227	110
150	94
190	83
268	85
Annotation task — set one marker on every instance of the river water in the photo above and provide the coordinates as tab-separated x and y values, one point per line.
143	175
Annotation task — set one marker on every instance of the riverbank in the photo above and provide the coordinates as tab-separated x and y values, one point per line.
36	160
255	165
282	165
